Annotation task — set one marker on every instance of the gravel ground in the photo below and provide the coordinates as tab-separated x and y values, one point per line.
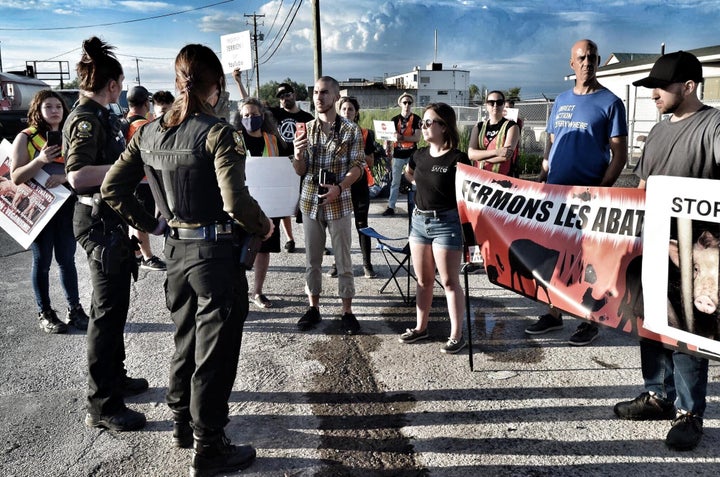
320	403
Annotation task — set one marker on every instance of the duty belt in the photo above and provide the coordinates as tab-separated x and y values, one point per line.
431	213
210	233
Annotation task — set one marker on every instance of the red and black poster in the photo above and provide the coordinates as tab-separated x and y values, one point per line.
579	249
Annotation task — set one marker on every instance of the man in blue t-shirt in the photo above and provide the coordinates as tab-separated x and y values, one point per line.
587	146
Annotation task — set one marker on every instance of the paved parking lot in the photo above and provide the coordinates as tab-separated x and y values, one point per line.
320	403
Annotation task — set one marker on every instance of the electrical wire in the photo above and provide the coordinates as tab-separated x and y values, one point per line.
277	34
277	13
164	15
284	34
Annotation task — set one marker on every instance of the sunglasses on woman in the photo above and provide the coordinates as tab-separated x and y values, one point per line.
429	122
495	102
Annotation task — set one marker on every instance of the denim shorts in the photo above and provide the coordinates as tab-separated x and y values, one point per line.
443	231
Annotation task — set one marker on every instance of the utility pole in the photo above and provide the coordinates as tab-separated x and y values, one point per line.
137	67
317	43
255	37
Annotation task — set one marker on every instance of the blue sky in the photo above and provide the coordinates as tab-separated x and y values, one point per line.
504	44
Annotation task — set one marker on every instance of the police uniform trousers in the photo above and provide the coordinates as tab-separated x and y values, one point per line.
105	334
206	293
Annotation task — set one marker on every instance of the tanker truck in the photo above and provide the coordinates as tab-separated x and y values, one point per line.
16	92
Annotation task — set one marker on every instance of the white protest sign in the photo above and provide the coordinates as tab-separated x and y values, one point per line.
236	51
385	130
274	184
670	201
511	113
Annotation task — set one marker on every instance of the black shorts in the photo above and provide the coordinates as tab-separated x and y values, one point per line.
272	245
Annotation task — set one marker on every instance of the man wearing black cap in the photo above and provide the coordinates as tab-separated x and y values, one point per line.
139	99
288	114
684	145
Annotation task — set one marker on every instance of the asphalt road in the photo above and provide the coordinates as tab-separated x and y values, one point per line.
323	404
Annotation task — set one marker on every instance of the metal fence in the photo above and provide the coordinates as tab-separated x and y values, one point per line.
535	115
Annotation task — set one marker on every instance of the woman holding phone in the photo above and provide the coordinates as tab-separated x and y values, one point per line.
35	148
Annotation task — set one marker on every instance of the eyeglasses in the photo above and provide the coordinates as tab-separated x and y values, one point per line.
495	102
285	95
426	123
407	102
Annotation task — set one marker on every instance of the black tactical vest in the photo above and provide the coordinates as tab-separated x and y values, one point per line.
181	172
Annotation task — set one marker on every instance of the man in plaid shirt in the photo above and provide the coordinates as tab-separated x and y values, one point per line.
333	145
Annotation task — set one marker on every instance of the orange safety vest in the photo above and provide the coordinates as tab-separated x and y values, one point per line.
134	126
36	142
271	146
370	178
497	167
408	131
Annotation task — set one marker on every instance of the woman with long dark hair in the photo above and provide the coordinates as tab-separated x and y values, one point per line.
195	165
32	153
92	141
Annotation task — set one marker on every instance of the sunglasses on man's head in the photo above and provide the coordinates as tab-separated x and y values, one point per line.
285	95
495	102
407	102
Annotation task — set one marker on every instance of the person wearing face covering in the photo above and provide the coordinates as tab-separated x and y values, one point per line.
195	164
261	138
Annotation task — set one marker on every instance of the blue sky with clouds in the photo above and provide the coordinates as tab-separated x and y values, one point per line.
504	44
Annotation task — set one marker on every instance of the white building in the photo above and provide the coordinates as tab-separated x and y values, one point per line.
434	84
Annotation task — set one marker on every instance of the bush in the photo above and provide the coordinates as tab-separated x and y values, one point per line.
529	164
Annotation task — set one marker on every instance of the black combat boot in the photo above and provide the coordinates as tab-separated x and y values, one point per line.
182	432
215	455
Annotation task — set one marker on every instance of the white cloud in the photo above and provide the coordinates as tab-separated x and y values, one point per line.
140	6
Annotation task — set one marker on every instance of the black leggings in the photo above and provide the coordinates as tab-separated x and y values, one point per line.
360	193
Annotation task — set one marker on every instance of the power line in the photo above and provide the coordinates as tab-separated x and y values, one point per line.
164	15
284	33
277	13
277	34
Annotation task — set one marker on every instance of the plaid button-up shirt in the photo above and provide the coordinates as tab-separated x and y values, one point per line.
337	152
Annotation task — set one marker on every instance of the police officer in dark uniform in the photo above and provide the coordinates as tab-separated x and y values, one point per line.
195	165
92	142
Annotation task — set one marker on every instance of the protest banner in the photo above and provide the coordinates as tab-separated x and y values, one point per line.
27	208
272	181
579	249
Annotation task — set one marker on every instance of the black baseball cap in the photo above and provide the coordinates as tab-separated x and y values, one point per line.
284	88
138	95
672	68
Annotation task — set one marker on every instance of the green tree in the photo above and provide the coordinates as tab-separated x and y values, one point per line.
513	94
74	84
474	91
268	90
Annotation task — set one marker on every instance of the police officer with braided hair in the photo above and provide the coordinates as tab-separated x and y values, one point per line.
195	164
92	142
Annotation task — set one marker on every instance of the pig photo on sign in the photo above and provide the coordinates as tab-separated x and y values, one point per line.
702	292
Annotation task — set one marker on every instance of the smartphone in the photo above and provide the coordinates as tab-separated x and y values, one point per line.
300	129
54	138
